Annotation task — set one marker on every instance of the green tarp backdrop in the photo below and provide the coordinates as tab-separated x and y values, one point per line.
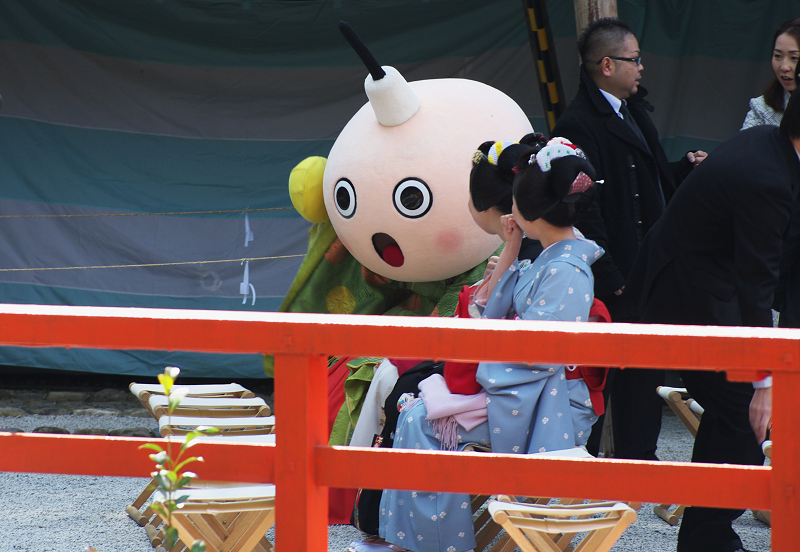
157	132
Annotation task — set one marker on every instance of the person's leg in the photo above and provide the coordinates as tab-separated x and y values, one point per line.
583	415
596	436
724	436
427	521
636	413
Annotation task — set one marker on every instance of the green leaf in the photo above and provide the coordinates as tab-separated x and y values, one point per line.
198	546
181	499
207	430
177	395
180	466
159	509
151	446
172	537
159	458
163	481
183	482
191	436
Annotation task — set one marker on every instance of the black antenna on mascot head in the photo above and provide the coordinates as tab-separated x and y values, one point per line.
363	52
392	99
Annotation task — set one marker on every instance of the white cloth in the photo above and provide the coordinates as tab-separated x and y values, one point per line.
370	421
762	114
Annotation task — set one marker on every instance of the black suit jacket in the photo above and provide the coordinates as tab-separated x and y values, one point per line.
629	202
714	255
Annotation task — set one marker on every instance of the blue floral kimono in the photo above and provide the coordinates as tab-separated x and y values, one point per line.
531	408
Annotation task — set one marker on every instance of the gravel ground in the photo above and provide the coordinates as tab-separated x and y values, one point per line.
57	513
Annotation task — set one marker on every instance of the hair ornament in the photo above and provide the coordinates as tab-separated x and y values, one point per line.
557	147
581	183
496	149
478	156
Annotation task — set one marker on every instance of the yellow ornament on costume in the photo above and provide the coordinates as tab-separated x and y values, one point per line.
305	189
340	300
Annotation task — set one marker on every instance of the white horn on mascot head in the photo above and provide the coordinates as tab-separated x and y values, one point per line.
392	99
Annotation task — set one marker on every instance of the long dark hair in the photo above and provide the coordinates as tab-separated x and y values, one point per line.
774	92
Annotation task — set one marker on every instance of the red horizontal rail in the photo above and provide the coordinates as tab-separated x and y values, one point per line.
626	480
121	457
303	467
405	337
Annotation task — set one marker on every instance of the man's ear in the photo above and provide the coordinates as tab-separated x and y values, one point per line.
607	67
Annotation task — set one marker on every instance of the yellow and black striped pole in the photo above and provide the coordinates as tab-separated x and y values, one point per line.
544	54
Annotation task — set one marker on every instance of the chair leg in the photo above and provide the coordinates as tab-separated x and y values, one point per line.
135	509
670	516
764	516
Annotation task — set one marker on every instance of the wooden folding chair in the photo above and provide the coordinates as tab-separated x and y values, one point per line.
181	425
551	528
215	407
145	516
227	519
143	391
689	412
488	535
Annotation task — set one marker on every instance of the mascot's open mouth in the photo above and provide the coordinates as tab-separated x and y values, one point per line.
388	250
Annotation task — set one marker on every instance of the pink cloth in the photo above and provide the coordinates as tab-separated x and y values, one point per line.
468	410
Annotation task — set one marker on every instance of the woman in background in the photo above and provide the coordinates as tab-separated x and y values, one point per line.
768	109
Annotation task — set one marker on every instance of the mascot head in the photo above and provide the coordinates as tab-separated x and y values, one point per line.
396	182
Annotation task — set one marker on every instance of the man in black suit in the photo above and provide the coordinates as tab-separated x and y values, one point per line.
609	120
713	259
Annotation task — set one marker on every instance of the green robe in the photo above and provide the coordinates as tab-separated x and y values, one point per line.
331	280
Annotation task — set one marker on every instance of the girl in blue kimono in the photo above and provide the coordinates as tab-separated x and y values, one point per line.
530	408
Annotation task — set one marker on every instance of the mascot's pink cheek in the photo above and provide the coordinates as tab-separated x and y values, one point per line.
448	240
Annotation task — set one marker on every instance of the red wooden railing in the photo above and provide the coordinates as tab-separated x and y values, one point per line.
303	467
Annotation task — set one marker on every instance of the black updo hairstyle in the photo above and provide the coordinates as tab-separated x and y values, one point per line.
490	185
544	195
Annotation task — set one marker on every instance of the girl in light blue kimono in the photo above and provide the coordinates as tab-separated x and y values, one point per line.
530	408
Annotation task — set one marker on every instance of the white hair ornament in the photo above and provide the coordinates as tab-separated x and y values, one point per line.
557	147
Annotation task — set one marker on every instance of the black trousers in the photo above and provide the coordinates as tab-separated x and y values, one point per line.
635	405
724	436
636	409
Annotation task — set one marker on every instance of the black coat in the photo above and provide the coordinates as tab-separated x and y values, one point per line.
714	255
629	202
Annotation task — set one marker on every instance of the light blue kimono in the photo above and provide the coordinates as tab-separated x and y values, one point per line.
531	408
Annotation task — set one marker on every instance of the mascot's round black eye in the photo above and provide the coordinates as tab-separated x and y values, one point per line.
345	196
412	198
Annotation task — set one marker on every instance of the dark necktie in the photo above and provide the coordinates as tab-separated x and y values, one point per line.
628	118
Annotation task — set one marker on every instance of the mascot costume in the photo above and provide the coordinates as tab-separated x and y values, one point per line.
392	231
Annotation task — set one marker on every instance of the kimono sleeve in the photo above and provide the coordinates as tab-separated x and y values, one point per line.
565	293
501	302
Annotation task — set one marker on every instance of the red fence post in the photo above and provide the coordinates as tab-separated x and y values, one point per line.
785	461
301	400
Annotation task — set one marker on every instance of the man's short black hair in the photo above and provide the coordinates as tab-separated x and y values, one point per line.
601	38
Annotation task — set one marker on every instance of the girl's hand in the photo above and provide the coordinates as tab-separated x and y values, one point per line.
490	266
512	233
